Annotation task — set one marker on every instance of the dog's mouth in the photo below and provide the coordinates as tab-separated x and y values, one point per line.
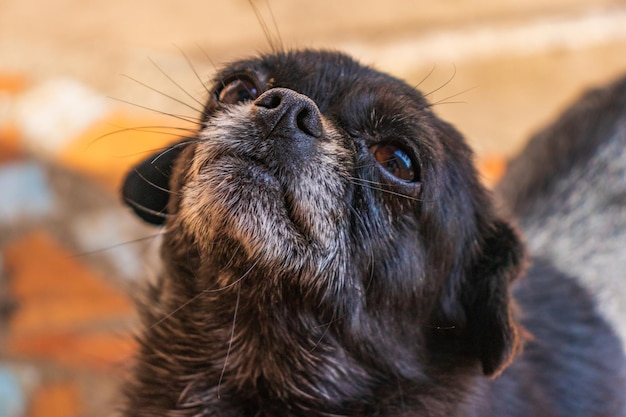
265	181
273	179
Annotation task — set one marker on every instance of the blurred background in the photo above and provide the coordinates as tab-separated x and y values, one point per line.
88	87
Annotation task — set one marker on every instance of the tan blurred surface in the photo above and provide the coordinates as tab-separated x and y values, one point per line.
521	61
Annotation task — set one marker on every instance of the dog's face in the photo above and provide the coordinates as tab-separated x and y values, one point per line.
328	208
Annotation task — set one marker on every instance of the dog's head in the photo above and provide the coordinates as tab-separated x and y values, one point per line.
321	188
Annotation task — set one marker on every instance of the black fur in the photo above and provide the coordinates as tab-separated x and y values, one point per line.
572	365
572	141
401	308
155	172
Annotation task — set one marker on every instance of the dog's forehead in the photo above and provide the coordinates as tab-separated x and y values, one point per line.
331	79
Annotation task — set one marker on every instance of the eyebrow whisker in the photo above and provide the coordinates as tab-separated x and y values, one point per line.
373	185
166	75
156	90
188	119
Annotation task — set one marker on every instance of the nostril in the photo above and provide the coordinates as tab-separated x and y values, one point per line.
269	101
302	119
308	122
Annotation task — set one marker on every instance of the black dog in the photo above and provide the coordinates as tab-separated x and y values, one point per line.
329	251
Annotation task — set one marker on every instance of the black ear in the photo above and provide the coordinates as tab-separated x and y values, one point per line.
494	334
476	306
146	188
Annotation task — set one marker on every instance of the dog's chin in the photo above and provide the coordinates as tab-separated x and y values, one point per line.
282	212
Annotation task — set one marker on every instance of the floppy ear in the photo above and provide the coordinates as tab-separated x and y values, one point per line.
476	305
146	188
494	334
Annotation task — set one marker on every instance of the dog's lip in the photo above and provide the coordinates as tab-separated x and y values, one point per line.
265	178
263	175
268	178
259	165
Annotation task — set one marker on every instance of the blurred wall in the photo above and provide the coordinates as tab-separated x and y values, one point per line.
510	64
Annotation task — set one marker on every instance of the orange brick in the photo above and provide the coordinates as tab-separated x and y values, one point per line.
97	350
108	149
13	83
10	144
55	290
59	400
64	308
105	350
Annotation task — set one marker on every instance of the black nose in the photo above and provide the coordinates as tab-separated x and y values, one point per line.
285	113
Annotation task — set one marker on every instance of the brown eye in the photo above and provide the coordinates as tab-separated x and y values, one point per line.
237	90
395	161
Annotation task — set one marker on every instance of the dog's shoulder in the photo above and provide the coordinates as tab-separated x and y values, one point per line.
568	190
575	140
570	347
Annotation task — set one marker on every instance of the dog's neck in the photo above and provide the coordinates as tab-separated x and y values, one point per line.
243	353
218	347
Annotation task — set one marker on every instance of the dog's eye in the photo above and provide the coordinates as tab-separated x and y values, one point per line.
238	89
396	161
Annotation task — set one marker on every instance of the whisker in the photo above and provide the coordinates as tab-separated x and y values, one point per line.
373	163
195	72
145	129
327	328
444	100
176	310
188	119
432	70
144	152
157	132
230	343
372	186
275	24
440	103
152	184
173	147
370	258
367	165
117	245
156	90
180	87
444	84
232	284
266	31
146	209
208	57
215	68
452	327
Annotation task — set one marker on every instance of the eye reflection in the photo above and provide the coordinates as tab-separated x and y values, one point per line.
395	160
238	90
